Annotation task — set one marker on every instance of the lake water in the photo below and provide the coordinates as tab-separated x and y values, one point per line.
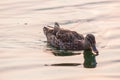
24	54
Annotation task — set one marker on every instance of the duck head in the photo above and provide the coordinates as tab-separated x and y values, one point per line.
90	43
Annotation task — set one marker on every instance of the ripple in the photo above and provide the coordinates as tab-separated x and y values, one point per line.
56	52
66	64
76	5
110	62
113	76
30	66
22	67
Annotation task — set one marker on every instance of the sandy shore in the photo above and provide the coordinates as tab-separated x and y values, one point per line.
24	54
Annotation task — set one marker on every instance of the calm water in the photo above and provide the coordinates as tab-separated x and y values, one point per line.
24	54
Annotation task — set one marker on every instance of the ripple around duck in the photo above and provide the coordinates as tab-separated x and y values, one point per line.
62	53
64	64
30	66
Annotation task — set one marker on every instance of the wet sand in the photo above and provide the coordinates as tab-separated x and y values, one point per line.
24	54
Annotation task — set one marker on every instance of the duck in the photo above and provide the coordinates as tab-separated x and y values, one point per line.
64	39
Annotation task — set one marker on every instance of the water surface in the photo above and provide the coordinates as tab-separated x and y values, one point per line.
24	54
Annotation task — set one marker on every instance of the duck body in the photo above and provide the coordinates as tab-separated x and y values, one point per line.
69	40
64	39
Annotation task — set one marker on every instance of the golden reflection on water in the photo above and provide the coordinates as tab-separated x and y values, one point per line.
23	52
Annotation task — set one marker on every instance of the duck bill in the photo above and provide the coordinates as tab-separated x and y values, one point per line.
94	48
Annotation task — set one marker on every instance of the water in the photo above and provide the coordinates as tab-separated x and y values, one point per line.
24	53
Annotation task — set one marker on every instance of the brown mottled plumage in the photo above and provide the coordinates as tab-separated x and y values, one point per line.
67	39
63	39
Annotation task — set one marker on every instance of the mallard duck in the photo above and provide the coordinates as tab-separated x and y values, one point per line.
69	40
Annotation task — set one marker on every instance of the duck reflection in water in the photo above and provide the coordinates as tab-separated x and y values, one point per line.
89	59
58	52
